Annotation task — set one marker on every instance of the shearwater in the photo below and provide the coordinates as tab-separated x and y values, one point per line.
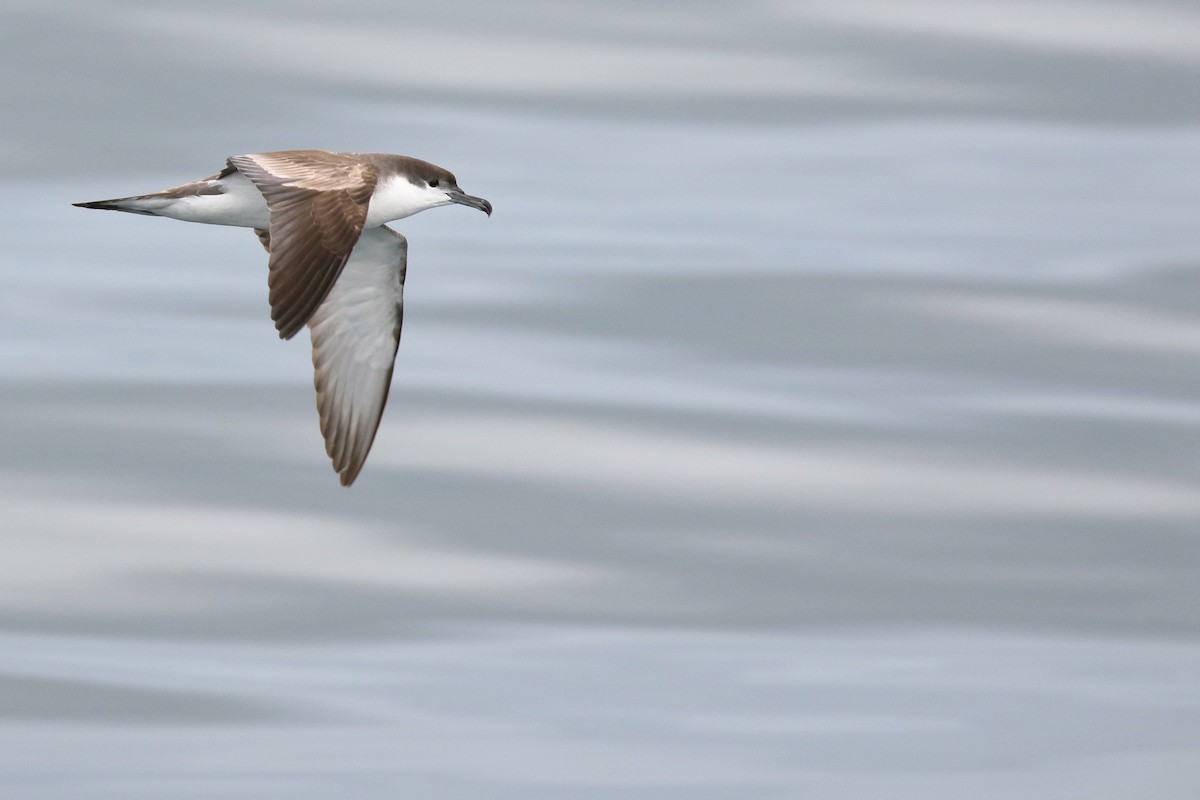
333	263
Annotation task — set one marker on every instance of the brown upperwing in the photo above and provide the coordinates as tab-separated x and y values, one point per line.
318	203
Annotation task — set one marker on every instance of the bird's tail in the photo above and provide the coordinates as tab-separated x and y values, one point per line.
141	204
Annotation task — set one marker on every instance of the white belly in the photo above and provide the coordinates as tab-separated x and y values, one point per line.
240	204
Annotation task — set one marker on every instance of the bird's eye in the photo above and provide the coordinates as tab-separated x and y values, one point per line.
433	183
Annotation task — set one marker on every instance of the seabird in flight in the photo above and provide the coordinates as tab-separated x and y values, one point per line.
334	265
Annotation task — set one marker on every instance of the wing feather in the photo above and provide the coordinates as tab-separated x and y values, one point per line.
318	203
355	333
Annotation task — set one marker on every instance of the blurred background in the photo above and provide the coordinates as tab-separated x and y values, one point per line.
818	415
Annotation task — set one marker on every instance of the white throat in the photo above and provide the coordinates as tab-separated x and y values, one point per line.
397	197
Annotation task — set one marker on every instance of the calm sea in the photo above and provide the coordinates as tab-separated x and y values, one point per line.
818	415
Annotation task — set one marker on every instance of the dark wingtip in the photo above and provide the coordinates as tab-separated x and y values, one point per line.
105	204
287	326
348	471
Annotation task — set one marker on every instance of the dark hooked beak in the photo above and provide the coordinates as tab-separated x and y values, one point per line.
462	198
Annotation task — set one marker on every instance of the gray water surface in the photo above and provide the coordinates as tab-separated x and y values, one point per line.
817	416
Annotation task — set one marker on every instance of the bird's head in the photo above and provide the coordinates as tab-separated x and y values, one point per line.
441	188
